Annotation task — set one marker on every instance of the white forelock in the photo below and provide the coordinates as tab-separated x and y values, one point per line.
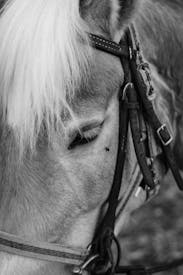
41	62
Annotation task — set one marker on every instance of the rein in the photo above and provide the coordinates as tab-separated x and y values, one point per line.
135	101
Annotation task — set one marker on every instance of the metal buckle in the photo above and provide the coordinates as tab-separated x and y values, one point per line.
166	140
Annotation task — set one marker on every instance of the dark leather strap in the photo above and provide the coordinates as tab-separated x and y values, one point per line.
134	109
109	46
141	154
135	91
104	235
128	109
161	130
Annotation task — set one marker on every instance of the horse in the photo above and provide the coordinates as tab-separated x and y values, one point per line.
59	118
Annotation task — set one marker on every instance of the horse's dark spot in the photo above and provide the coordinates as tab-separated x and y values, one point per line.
107	149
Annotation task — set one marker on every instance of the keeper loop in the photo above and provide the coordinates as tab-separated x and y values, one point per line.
133	105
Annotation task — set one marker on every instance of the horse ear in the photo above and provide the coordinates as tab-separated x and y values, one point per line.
111	16
123	12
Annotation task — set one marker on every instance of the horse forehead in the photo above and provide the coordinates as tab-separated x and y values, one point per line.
104	81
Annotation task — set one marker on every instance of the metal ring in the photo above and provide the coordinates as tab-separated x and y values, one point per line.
127	86
79	269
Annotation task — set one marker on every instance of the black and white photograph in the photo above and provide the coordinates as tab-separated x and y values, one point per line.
91	137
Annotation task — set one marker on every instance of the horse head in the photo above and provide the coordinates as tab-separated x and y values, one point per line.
60	124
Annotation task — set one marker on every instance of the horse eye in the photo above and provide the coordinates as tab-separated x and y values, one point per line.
81	140
86	134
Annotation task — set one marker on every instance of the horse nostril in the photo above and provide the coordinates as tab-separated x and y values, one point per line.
107	149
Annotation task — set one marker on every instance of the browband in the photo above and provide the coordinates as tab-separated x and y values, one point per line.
108	46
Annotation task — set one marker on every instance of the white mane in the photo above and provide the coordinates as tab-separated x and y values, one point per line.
41	61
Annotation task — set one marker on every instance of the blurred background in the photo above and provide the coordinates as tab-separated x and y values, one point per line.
155	231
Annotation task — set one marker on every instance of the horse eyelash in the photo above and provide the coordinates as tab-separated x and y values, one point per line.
85	137
80	139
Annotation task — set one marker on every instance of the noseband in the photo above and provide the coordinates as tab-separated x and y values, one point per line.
135	101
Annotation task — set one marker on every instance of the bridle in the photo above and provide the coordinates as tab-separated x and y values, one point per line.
135	102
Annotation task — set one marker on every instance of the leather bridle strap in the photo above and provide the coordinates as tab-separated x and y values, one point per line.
128	111
134	109
109	46
161	130
41	251
128	108
104	235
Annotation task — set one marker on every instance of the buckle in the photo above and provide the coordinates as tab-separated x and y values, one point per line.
164	135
